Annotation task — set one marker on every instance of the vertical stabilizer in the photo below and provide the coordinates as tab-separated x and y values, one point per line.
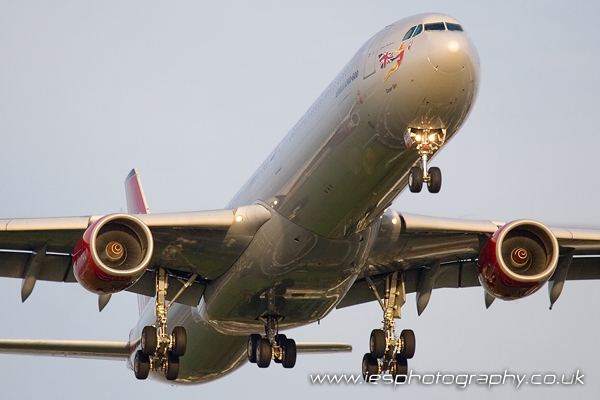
136	201
136	204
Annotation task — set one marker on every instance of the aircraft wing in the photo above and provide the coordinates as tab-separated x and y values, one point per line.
205	243
435	253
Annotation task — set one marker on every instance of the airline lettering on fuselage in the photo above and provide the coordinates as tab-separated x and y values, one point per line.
346	83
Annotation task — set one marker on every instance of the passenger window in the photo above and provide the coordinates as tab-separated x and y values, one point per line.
418	30
454	27
436	26
409	33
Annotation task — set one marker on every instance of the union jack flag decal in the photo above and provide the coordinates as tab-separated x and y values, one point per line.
385	59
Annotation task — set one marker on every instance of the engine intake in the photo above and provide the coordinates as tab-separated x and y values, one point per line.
113	253
518	260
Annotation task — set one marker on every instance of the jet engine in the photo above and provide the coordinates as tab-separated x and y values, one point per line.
518	260
113	254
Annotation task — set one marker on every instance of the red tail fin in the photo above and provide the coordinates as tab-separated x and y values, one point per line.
136	201
136	204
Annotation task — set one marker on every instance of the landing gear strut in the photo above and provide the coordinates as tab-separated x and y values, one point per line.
272	346
428	142
388	352
160	350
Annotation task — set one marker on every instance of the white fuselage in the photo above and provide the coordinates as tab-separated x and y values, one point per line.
326	185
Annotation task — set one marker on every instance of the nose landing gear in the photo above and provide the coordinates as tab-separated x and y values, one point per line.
428	142
433	178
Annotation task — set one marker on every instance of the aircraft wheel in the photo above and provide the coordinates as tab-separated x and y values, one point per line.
410	343
263	353
179	341
370	366
401	367
252	346
415	179
280	339
149	340
435	180
141	365
172	370
377	343
289	354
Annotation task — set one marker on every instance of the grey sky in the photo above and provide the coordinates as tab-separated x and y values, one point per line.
197	94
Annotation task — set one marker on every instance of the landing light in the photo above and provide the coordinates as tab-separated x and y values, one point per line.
453	46
432	137
239	218
394	221
418	138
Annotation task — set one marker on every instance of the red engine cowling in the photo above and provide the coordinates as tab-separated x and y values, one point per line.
113	254
518	260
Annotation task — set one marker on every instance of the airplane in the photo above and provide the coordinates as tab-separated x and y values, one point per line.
310	231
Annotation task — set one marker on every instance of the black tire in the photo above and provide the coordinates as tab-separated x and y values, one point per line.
149	340
409	343
252	345
179	341
172	370
415	179
401	368
141	365
435	180
289	354
377	343
280	339
263	353
370	366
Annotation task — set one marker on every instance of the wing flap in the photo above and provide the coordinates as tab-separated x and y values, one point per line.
55	268
451	275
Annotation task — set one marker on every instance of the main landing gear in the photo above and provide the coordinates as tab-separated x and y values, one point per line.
159	350
388	352
272	346
428	142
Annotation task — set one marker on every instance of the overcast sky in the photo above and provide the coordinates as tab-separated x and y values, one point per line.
197	94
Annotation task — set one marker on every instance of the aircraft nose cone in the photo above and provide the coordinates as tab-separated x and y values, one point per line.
449	53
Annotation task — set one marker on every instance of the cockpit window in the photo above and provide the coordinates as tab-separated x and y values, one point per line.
436	26
409	33
454	27
418	30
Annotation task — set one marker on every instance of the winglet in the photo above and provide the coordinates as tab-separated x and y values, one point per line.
136	201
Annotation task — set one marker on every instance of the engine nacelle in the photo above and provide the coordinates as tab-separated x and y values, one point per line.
518	260
113	254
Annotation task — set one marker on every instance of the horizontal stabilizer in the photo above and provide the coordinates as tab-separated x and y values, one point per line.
121	350
318	347
68	348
